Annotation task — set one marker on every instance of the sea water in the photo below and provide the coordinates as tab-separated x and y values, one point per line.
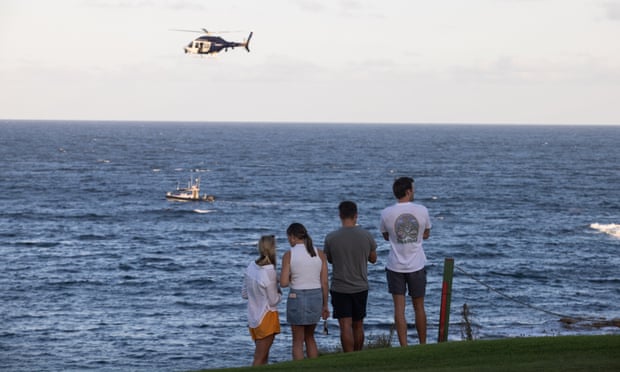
98	271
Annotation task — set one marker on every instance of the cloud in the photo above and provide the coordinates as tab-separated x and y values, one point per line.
343	8
350	7
134	4
612	10
311	6
581	70
278	68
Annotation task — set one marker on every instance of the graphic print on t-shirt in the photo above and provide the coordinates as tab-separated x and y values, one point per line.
406	227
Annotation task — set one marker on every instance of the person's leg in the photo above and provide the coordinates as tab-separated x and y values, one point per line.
346	334
342	304
420	318
359	302
311	348
399	318
358	334
397	287
417	291
261	354
298	332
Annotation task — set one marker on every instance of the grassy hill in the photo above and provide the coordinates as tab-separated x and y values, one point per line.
562	353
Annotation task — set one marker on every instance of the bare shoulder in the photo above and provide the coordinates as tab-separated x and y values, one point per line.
287	256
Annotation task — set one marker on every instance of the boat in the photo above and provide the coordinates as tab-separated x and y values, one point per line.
189	193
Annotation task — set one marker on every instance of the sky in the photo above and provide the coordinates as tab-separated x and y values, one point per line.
350	61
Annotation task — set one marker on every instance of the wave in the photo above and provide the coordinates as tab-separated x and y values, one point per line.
203	210
607	228
86	237
37	243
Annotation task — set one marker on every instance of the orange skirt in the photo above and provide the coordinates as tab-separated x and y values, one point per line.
270	325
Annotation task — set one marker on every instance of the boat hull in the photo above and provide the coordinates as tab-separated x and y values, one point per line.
171	196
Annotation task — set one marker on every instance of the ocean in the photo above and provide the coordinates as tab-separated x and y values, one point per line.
98	271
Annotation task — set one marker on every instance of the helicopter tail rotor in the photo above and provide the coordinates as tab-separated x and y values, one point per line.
247	42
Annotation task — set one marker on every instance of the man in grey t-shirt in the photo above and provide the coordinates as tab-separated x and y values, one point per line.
349	249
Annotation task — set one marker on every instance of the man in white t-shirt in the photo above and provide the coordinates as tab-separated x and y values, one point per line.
405	224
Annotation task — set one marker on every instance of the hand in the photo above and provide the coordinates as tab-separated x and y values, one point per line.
325	313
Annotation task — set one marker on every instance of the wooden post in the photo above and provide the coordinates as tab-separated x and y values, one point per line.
446	294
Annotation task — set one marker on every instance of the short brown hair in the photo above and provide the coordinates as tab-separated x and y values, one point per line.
401	185
347	209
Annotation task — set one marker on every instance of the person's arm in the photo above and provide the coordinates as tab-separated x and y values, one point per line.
427	234
324	284
244	289
273	293
383	228
427	227
327	251
285	274
372	257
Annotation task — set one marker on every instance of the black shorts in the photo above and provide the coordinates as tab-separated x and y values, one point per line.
415	281
349	305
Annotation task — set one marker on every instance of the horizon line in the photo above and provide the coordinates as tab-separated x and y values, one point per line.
299	122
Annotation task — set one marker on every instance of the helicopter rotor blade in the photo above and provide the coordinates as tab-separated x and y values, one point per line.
218	32
194	31
205	31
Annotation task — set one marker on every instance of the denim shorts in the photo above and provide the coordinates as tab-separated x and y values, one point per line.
304	306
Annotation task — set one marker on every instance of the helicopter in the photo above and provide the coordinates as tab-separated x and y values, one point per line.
210	44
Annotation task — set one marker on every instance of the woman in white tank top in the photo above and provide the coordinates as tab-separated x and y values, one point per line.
304	269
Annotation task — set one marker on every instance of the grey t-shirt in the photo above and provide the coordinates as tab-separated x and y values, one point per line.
347	249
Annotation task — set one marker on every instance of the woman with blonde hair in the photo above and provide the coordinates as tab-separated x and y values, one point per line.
304	268
260	288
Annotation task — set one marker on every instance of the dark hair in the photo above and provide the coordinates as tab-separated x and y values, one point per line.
347	209
299	231
401	185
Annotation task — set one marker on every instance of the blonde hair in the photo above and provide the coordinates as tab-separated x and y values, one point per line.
266	250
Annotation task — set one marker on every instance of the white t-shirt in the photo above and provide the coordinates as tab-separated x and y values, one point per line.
405	223
261	289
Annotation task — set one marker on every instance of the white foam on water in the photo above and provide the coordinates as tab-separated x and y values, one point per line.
203	210
608	228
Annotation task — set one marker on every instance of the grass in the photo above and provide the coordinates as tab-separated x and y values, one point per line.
560	353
